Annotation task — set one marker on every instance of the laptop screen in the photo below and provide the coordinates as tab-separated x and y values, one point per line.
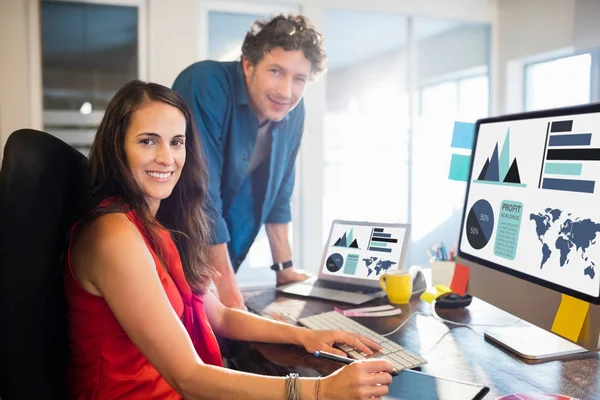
363	250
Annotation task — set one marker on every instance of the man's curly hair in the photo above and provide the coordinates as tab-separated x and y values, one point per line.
292	32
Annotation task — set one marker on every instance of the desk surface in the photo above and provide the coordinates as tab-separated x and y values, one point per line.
452	352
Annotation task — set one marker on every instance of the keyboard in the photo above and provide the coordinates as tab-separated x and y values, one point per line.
391	351
346	287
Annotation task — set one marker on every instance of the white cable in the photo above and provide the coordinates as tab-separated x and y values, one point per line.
405	321
437	317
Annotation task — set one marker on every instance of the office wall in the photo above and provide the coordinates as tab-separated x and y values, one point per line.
587	26
20	73
535	30
459	50
172	38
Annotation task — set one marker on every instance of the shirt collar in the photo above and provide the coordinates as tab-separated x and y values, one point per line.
241	93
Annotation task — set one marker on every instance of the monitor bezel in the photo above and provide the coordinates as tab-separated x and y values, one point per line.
550	113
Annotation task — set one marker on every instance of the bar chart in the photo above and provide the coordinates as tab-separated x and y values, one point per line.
380	240
565	158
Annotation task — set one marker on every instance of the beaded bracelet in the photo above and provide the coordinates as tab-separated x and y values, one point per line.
292	387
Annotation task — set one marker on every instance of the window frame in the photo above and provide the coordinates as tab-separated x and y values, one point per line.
456	79
594	74
64	118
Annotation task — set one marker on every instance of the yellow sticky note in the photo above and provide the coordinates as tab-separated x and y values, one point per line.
430	295
570	317
442	289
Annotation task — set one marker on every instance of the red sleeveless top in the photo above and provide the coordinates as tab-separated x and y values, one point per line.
103	362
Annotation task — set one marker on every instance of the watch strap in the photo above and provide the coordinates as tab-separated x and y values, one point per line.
281	266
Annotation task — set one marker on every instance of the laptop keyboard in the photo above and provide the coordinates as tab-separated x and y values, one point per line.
346	287
391	351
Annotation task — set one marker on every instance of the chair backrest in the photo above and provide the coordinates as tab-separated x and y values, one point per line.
43	187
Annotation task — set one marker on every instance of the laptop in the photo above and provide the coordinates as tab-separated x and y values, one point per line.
356	255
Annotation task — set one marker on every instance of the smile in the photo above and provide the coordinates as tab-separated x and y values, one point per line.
159	175
280	103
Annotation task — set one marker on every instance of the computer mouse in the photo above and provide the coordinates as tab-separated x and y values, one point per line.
419	285
453	300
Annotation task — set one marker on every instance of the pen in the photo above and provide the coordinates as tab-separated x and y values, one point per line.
333	357
340	359
444	252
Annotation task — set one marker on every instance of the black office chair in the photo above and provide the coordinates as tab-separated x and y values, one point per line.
43	189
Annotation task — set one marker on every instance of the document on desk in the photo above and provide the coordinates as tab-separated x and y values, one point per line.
378	311
410	385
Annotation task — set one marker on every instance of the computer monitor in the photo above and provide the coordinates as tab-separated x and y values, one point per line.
531	220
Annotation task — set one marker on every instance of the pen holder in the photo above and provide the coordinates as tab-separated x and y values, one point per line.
442	272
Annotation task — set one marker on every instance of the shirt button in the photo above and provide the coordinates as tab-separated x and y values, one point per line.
245	158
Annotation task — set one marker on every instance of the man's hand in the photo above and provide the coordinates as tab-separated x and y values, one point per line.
230	294
227	288
290	275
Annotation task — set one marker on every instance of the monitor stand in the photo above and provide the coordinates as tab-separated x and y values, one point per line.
532	343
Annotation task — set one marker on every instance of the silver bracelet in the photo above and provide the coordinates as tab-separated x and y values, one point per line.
317	388
292	387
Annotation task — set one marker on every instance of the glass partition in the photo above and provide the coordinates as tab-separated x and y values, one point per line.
386	154
451	84
366	119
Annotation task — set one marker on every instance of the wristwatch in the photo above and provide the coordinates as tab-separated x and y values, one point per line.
281	266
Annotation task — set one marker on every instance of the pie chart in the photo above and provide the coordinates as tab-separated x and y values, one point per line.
480	224
334	262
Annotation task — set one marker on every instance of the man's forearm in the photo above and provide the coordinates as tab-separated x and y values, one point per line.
219	259
227	287
279	242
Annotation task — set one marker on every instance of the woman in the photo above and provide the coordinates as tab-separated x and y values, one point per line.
141	319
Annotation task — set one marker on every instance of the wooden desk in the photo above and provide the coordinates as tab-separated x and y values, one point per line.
453	352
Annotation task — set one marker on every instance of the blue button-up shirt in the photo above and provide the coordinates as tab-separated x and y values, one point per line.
241	203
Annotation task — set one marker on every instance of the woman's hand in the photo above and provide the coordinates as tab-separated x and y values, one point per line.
324	341
364	379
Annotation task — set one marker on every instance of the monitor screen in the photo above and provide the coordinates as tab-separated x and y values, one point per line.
532	207
363	250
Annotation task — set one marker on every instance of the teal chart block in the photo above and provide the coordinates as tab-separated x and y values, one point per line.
509	226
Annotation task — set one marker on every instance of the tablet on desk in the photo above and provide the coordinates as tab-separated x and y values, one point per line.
411	385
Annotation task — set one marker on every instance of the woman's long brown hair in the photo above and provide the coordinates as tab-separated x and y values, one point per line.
183	213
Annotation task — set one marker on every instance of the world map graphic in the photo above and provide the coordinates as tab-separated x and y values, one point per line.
376	264
573	238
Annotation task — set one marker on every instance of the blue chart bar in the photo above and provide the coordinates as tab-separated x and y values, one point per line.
580	139
376	234
569	185
383	250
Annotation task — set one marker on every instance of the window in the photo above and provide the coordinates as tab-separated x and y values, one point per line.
90	50
440	104
465	99
386	146
557	83
366	121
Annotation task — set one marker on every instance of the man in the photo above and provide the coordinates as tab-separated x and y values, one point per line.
250	117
